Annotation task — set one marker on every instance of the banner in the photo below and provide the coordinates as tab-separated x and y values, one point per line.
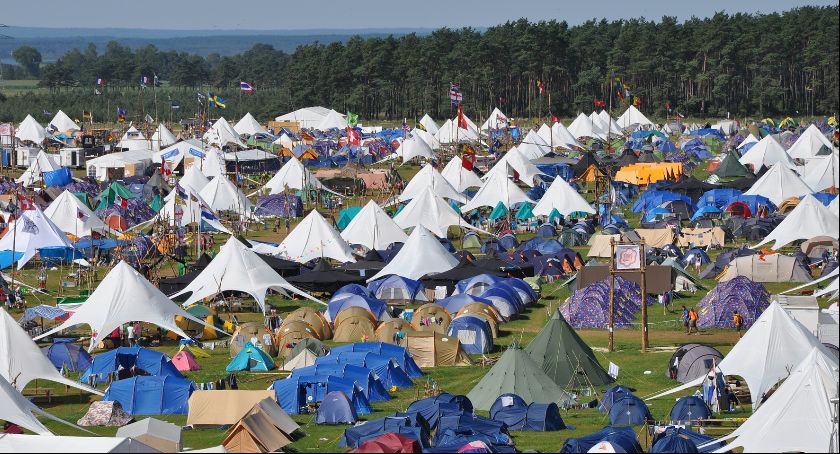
628	257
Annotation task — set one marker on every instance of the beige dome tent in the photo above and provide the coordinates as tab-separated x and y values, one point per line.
353	324
312	317
431	317
386	330
291	333
247	332
434	349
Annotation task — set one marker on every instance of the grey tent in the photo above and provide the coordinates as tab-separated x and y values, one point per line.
691	361
336	408
565	357
768	268
517	373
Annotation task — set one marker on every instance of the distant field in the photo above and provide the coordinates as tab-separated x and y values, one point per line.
12	87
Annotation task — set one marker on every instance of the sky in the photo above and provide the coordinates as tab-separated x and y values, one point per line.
354	14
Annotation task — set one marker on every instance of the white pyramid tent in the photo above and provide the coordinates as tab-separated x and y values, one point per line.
72	216
809	144
124	296
450	133
427	137
496	120
193	180
583	126
285	141
798	416
533	146
292	175
373	228
429	124
333	120
765	355
497	188
779	183
179	211
314	238
34	230
63	123
213	164
222	195
607	122
30	130
249	126
822	172
514	161
633	119
750	139
414	147
175	153
34	173
470	124
237	268
421	254
809	219
134	140
562	197
22	361
460	178
429	177
765	153
558	136
162	138
430	211
222	134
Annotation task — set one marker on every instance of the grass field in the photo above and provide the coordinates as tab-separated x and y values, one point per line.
645	372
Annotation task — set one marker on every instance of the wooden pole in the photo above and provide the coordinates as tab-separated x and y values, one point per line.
643	264
611	344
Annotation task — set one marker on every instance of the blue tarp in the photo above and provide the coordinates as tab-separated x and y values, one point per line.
403	424
149	395
364	378
149	361
397	353
432	408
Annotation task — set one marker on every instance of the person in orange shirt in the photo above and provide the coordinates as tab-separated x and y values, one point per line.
738	321
692	321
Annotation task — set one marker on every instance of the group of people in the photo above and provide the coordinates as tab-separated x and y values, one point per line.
689	319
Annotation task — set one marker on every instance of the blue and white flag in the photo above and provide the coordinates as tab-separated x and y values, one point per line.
196	153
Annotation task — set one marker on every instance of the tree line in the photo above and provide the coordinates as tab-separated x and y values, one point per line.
738	64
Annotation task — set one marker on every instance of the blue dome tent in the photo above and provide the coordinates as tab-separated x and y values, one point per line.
630	411
473	332
690	408
149	395
336	409
68	356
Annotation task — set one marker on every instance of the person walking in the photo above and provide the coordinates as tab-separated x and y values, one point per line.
685	319
692	321
738	321
129	334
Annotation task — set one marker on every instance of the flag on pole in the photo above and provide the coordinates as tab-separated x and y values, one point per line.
462	121
149	119
555	118
87	115
245	87
196	153
468	158
144	80
668	105
540	87
618	86
216	101
352	136
100	82
352	119
599	103
121	114
455	95
637	101
120	201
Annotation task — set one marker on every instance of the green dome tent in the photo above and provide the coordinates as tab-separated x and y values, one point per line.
565	357
730	167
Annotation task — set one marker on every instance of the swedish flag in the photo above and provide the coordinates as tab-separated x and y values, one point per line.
215	101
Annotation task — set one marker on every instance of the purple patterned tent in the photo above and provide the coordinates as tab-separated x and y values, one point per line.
747	297
136	212
589	307
280	205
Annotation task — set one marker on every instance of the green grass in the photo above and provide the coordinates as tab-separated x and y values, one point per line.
665	335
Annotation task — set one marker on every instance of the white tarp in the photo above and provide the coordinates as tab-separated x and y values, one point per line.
809	144
533	146
430	211
822	172
133	140
162	138
450	133
222	134
238	268
414	147
514	161
30	130
72	216
799	416
125	296
373	228
583	126
765	153
496	120
22	361
34	173
175	153
421	254
333	120
15	408
809	219
248	126
429	124
306	117
313	238
63	123
221	195
765	355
